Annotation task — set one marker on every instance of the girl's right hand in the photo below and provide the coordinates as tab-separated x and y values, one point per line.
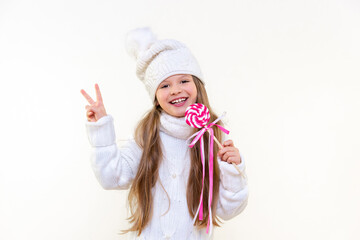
95	110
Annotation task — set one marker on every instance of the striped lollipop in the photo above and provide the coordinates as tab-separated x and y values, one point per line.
197	115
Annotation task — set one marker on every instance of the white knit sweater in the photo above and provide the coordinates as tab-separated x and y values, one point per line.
115	168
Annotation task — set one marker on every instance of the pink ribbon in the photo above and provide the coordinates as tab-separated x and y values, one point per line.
199	136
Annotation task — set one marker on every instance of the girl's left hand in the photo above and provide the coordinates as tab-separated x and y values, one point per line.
229	153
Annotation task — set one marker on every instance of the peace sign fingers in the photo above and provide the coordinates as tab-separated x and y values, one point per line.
98	93
88	98
96	110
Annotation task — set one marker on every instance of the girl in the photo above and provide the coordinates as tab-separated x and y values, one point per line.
164	175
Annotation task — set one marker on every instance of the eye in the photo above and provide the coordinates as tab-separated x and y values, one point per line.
184	81
165	86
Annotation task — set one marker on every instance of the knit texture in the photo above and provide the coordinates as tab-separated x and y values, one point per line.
115	168
157	60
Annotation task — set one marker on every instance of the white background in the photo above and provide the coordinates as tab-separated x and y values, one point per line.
286	73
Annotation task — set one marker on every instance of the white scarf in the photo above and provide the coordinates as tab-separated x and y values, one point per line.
174	126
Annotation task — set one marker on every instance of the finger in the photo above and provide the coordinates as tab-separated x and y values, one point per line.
228	160
88	98
228	155
227	149
232	160
228	143
98	93
89	113
89	108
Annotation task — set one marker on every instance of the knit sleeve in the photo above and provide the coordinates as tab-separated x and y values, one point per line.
114	167
233	190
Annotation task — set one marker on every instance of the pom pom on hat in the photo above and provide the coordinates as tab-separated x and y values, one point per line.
157	60
139	40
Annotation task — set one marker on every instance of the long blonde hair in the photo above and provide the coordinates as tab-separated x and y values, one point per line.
147	137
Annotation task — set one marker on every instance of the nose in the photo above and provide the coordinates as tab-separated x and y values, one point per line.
175	90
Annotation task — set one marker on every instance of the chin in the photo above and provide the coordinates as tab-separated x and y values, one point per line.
179	115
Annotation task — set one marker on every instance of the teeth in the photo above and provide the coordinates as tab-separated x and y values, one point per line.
179	100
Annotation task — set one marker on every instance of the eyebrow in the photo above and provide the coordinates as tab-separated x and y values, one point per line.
179	76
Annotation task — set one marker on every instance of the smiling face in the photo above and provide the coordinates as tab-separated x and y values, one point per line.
176	93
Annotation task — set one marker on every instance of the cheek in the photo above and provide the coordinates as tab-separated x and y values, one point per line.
158	95
161	97
193	91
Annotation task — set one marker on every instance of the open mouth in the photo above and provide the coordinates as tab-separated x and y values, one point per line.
178	101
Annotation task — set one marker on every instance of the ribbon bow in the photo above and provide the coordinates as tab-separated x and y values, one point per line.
199	136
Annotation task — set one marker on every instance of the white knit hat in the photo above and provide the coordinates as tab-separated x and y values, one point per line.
157	60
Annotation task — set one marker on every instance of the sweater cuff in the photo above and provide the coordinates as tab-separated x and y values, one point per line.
101	133
230	177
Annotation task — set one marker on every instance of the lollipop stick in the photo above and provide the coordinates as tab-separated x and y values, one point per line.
221	147
219	144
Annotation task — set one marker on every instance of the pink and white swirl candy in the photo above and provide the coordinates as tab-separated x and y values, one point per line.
197	115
